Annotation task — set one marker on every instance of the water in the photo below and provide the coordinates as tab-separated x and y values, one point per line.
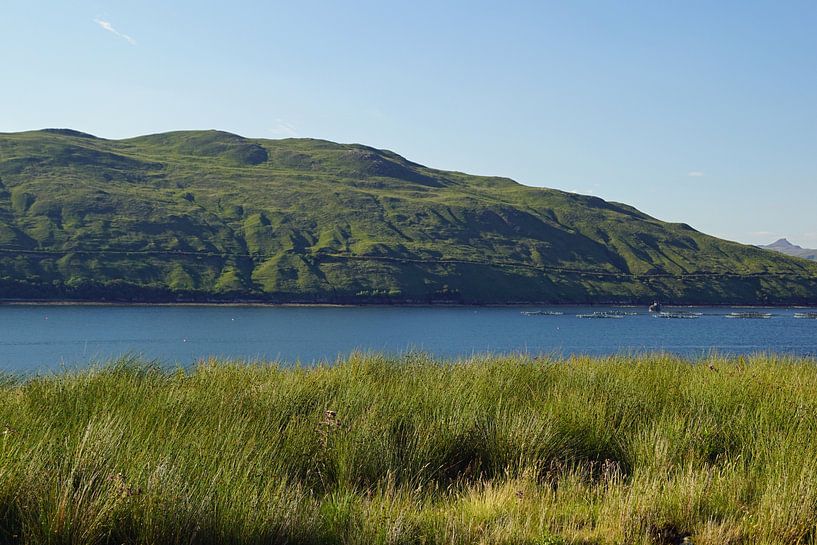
43	338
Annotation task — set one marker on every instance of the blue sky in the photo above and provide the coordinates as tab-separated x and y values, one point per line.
696	111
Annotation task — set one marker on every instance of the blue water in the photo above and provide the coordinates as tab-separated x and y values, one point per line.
43	338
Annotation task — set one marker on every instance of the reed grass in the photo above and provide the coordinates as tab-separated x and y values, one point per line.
377	450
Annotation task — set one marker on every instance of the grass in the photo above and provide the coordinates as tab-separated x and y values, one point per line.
208	215
505	450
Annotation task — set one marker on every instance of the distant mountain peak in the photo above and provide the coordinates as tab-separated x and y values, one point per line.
784	246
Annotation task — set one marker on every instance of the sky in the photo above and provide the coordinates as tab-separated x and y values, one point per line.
693	111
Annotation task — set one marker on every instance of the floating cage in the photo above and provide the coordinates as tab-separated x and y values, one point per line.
678	315
602	315
750	315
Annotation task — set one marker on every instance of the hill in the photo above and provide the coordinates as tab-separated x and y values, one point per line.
785	247
212	216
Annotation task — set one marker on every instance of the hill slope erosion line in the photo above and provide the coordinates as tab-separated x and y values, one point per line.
212	216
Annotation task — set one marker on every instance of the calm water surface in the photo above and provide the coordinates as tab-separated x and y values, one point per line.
42	338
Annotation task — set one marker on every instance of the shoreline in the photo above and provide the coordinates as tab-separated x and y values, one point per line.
253	304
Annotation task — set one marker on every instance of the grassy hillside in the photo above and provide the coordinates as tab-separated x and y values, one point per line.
508	451
211	215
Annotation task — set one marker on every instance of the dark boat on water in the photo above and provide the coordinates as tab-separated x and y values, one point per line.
655	307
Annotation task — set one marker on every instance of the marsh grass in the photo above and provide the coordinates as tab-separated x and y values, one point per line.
512	450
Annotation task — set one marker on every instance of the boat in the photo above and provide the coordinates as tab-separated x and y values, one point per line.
655	307
541	313
678	315
806	315
750	315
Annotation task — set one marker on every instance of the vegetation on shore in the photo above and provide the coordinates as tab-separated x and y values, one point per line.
212	216
506	450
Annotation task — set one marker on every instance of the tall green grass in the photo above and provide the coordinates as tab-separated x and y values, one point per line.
512	450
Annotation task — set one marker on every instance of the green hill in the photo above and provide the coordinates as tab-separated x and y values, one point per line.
207	215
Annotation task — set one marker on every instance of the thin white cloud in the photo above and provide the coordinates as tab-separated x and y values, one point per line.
762	233
695	174
106	25
809	238
282	128
593	190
